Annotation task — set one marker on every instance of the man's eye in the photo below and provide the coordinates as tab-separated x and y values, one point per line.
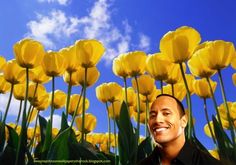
166	113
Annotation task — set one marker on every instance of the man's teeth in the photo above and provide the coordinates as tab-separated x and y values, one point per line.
160	129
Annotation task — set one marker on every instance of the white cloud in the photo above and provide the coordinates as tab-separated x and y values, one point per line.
98	24
52	28
61	2
144	42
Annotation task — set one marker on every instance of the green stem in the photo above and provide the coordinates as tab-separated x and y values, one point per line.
190	121
28	118
138	108
23	134
8	103
109	129
215	103
68	95
19	114
29	110
208	121
83	110
35	127
227	108
146	117
77	106
126	96
114	124
173	89
52	102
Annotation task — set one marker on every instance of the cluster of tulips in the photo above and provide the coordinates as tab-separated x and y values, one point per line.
180	52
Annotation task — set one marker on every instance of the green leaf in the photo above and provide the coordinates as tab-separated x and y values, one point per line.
59	149
13	137
2	136
8	156
144	148
48	139
64	124
43	125
127	145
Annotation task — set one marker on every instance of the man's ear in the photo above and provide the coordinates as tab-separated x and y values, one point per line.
184	120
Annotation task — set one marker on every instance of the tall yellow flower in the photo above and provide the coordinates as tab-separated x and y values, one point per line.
179	45
179	90
174	73
234	79
232	111
32	115
135	63
90	123
53	64
70	58
150	98
131	96
73	81
92	76
4	85
190	78
37	75
34	97
59	99
13	73
207	129
146	84
157	66
2	63
117	106
29	53
220	54
74	99
109	92
43	102
19	91
118	67
202	89
233	61
142	117
197	64
88	52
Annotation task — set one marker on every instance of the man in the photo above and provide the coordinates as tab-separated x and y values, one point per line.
167	121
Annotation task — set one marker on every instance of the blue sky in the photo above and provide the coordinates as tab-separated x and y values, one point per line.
122	26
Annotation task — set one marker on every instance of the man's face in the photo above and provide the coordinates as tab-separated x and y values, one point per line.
165	123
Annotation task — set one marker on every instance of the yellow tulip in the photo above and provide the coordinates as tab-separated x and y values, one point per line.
214	153
59	99
146	84
157	66
53	64
43	102
73	103
34	97
13	73
142	107
234	79
117	107
233	61
150	98
2	63
190	78
88	52
92	76
232	111
99	138
118	67
71	59
174	73
55	132
207	129
197	64
90	123
142	117
179	45
19	91
202	89
113	137
224	51
37	75
179	90
109	92
30	133
135	63
29	53
18	128
4	85
131	96
71	80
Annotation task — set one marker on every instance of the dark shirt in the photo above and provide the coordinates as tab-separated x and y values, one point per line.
188	155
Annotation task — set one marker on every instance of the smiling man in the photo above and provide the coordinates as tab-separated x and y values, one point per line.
167	122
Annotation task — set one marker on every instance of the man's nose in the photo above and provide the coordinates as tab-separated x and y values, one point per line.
159	118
